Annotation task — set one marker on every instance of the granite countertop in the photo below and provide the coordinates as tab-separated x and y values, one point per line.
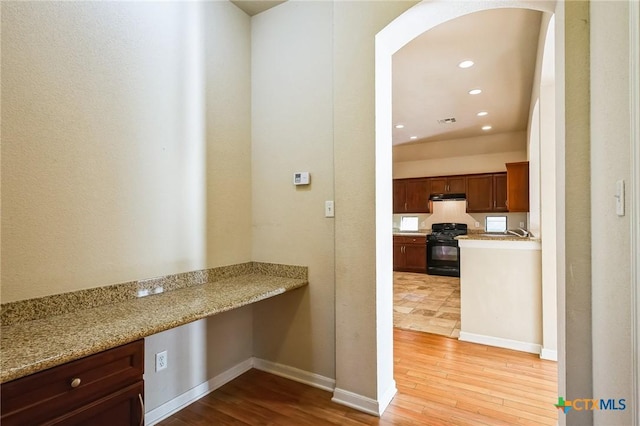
31	346
420	233
506	237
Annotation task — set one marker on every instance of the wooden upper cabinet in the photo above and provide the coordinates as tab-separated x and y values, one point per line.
518	186
399	196
411	195
457	184
480	193
448	185
500	192
418	192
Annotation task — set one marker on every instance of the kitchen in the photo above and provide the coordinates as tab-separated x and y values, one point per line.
467	165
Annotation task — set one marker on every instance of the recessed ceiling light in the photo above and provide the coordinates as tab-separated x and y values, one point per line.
413	137
485	128
465	64
482	113
475	92
399	126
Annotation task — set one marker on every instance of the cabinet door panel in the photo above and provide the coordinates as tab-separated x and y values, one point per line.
518	187
479	193
500	192
398	256
418	196
399	196
456	184
123	408
438	185
416	257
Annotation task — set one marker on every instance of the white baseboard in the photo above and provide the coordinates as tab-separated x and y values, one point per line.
178	403
295	374
356	401
340	396
499	342
549	354
387	396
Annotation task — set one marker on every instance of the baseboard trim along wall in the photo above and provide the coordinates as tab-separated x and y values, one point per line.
516	345
549	354
192	395
357	402
295	374
178	403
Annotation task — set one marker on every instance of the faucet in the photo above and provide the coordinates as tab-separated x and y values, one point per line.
521	232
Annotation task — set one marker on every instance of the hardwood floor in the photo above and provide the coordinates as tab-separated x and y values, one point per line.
441	381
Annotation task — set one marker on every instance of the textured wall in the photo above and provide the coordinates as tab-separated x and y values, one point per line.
126	155
104	175
292	132
611	262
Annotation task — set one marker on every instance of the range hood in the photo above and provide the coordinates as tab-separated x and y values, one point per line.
448	197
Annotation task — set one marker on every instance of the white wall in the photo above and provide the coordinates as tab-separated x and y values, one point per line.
292	119
125	155
483	154
611	280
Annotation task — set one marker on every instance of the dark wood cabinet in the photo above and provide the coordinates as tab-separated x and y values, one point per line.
486	193
102	389
411	195
448	184
500	192
410	253
479	193
518	186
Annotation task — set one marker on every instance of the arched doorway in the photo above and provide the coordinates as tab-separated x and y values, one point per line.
398	33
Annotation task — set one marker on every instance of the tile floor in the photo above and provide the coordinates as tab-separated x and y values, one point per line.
426	303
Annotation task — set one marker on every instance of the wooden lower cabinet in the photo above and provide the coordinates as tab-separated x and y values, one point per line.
102	389
410	253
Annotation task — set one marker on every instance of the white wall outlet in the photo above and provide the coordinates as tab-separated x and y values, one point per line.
161	360
328	209
477	224
521	224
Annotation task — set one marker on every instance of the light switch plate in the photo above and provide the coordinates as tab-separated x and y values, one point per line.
328	209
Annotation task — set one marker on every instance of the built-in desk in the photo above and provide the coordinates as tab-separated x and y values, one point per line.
134	310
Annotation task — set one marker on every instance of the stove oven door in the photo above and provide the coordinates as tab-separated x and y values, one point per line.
443	257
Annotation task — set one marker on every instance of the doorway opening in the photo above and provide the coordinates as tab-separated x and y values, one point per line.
401	31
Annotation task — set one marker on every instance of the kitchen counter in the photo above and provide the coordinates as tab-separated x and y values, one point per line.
477	240
422	233
36	344
501	292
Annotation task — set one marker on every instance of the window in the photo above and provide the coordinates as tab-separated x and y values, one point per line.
409	223
496	224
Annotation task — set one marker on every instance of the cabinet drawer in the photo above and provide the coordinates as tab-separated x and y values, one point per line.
406	239
53	392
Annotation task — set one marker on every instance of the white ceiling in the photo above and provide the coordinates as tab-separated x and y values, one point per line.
428	85
253	7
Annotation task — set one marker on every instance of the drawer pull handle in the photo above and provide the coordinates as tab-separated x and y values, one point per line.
75	382
142	410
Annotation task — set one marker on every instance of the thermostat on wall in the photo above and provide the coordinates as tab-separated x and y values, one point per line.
301	178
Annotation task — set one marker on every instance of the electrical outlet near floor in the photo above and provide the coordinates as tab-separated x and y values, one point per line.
161	360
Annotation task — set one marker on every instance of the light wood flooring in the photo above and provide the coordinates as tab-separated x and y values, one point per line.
428	303
441	381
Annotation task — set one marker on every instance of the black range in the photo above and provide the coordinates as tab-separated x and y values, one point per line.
443	253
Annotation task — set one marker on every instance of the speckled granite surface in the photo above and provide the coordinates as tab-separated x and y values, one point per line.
479	236
29	346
